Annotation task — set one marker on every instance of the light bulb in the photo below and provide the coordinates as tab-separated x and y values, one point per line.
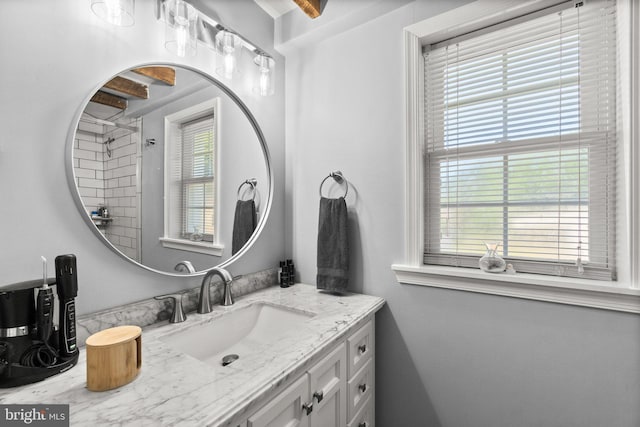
229	64
182	32
182	28
229	48
265	82
114	11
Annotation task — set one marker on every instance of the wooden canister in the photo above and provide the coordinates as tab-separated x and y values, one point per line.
114	357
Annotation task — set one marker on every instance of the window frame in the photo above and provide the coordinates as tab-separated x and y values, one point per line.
500	144
621	295
169	239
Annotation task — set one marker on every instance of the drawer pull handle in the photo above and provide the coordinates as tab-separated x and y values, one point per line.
363	387
307	407
363	424
319	395
362	348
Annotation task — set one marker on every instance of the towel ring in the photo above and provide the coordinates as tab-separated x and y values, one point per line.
339	178
252	182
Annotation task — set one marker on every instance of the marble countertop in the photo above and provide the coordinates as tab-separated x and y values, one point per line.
174	388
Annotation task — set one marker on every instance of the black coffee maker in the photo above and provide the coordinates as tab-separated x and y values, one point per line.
32	346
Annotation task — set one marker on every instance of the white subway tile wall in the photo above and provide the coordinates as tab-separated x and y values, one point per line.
111	181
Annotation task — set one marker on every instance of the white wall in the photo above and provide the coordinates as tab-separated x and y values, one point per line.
53	56
444	357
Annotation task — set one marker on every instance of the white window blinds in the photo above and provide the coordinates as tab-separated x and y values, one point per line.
197	178
520	143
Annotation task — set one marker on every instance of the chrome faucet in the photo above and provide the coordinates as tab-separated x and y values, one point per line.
183	266
177	315
204	303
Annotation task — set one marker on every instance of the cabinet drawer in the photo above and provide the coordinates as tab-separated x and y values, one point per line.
360	348
285	409
328	383
359	389
364	417
329	373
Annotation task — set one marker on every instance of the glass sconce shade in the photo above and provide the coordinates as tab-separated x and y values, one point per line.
264	84
180	36
229	46
116	12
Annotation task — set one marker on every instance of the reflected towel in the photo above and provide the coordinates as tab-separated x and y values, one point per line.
244	222
333	246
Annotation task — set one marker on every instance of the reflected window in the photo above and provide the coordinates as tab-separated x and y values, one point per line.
190	183
198	155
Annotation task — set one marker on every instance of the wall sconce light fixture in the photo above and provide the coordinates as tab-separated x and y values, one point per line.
186	25
229	46
116	12
264	83
180	27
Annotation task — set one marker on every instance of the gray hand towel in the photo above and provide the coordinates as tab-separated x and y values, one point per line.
244	222
333	247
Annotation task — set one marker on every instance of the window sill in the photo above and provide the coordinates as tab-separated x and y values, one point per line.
188	245
581	292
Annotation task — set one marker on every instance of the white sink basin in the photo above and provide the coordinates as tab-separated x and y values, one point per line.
237	332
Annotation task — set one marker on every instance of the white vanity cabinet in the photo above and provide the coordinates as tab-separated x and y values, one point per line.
286	409
335	392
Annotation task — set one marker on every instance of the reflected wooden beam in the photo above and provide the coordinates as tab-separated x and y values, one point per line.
163	74
129	87
313	8
105	98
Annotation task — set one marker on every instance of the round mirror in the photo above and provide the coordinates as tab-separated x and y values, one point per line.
170	169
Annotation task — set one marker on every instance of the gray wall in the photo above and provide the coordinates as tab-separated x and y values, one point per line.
53	57
444	358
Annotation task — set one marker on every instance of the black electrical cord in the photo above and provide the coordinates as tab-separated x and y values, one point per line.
39	355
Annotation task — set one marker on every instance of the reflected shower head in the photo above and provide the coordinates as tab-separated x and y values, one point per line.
108	144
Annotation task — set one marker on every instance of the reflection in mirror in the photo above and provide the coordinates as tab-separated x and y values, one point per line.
169	169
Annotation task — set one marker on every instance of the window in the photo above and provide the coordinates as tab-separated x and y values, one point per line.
197	140
191	140
520	143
